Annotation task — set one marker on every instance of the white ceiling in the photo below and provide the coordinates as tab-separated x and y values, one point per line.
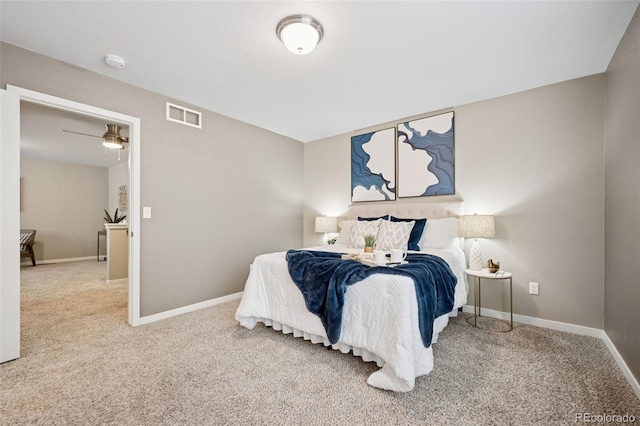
379	61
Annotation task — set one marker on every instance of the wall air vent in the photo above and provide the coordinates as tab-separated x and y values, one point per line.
184	115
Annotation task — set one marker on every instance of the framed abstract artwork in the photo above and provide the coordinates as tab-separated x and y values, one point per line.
426	156
373	166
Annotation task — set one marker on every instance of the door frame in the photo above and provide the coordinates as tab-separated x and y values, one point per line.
9	226
134	180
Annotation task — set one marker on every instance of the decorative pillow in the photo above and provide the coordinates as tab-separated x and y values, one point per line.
385	217
416	232
362	228
344	237
394	235
440	233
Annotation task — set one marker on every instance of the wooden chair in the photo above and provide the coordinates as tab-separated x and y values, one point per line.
27	240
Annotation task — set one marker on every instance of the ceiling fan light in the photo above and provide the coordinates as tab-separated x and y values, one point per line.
111	138
112	144
299	33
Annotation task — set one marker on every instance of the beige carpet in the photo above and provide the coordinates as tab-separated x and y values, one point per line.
82	364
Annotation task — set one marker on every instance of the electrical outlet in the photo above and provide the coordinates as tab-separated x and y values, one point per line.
533	288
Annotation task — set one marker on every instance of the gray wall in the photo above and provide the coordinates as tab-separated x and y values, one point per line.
622	202
63	203
219	196
533	159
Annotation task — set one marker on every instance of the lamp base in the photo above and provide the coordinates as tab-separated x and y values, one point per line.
475	256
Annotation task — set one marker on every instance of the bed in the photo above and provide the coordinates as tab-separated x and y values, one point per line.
380	316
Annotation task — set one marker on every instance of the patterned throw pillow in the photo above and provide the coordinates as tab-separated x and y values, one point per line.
362	228
416	232
394	235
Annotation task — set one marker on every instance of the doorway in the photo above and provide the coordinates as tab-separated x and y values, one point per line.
68	179
11	207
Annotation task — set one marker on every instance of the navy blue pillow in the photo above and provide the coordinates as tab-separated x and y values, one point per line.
416	232
385	217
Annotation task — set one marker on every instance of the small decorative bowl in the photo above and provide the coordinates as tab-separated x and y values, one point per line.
494	269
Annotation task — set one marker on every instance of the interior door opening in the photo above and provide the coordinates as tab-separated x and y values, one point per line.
133	123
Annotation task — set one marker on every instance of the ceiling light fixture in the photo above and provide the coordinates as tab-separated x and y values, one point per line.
300	33
112	138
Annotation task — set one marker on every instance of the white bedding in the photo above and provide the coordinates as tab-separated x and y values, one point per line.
380	316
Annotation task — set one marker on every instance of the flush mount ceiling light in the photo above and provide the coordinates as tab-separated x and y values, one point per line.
299	33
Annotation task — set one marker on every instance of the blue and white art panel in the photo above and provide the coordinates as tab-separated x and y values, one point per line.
426	156
373	166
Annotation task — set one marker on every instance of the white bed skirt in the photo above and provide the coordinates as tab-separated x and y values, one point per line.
379	322
385	378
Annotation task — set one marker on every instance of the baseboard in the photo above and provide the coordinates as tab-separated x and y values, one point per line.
44	262
623	365
190	308
570	328
538	322
119	281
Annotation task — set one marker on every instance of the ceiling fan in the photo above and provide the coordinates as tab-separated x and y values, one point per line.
110	139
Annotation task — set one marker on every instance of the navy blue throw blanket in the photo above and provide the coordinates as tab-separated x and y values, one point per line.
323	278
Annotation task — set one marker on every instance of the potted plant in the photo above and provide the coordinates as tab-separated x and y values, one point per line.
369	242
115	218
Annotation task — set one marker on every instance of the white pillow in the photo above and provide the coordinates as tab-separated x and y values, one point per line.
344	237
440	233
361	228
394	235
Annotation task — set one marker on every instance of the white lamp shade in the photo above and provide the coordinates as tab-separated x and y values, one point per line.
326	224
476	226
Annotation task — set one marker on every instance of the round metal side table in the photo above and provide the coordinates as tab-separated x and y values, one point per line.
483	274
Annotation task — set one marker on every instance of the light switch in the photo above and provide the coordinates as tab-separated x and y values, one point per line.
146	212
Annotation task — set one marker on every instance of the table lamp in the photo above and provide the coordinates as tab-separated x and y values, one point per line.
476	226
326	224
